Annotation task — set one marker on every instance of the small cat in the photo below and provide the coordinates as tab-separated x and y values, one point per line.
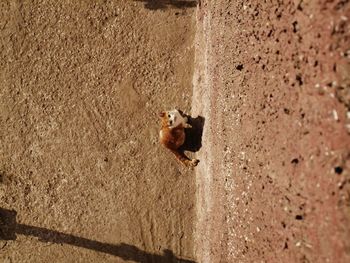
172	135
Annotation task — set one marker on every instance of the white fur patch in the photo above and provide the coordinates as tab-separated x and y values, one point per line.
176	118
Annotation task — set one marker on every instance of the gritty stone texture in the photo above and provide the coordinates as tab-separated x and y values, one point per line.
81	85
272	80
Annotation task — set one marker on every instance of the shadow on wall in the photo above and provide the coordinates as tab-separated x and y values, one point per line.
9	228
193	141
163	4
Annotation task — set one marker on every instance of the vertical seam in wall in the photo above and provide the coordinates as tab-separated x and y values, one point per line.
201	106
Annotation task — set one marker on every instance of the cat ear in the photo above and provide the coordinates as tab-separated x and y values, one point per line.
162	114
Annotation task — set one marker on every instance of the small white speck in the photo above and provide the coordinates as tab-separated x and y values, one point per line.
335	115
308	245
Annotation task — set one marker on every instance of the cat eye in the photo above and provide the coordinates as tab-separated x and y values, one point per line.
169	116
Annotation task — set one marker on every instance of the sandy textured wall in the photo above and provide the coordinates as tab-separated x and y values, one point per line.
81	85
208	214
272	81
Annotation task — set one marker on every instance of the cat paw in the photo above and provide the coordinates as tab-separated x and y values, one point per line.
188	126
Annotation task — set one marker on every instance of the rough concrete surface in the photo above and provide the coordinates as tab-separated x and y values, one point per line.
81	85
272	80
82	176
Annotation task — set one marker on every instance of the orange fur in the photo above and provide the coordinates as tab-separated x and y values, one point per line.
172	135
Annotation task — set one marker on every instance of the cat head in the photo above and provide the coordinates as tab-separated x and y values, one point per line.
167	118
